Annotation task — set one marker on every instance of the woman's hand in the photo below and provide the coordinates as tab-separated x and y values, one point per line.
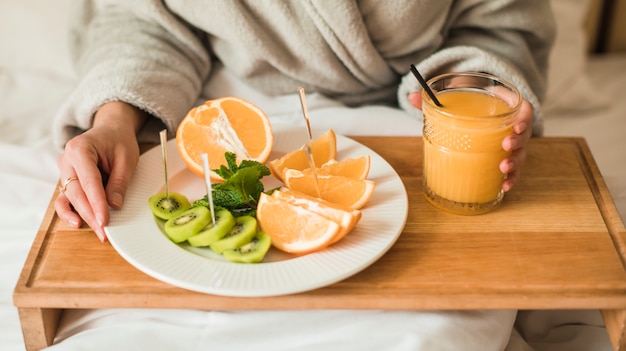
101	162
515	143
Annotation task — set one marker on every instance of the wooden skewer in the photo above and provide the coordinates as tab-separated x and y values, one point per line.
163	137
207	181
307	147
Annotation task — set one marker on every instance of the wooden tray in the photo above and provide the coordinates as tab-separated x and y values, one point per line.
557	242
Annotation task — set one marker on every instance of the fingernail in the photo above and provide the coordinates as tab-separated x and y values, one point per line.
73	222
117	200
506	187
506	167
507	144
100	233
520	128
100	220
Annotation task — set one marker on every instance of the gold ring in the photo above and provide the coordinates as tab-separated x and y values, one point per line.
67	181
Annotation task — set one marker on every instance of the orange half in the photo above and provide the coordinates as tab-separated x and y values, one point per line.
221	125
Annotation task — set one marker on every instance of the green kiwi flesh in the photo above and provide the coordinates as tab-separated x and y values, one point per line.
224	222
243	231
252	252
187	224
167	206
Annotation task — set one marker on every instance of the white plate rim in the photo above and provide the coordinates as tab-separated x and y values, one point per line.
382	222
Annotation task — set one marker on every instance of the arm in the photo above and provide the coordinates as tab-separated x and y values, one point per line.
139	69
132	51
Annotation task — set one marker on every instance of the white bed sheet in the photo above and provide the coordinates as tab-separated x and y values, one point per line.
31	93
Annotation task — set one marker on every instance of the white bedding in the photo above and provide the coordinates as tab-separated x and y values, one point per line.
34	79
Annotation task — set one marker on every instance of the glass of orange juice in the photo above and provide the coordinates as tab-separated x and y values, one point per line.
463	140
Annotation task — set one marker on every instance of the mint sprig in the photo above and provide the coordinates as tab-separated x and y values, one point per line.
242	186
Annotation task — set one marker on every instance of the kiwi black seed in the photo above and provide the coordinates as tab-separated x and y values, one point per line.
243	231
166	206
251	252
187	224
224	222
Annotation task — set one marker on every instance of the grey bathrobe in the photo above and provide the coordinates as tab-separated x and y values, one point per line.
157	55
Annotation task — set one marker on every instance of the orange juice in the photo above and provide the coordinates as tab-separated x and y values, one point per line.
463	148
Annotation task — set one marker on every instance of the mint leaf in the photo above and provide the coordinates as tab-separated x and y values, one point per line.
240	191
231	160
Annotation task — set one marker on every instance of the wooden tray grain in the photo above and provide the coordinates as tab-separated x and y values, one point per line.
557	242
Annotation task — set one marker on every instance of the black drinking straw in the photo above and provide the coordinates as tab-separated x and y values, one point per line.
425	86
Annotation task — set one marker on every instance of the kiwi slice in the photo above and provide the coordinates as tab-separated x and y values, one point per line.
252	252
243	231
187	224
167	206
224	222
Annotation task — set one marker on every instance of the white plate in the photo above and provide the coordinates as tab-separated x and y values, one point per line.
138	237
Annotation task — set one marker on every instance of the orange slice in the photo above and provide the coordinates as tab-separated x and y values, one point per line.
323	149
220	125
350	192
293	228
346	217
357	168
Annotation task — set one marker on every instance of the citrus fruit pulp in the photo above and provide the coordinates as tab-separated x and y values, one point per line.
346	217
323	149
293	228
220	125
346	191
357	168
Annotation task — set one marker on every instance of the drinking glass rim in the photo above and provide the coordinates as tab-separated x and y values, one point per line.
501	81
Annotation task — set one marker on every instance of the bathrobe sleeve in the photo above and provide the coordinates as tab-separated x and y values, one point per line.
137	52
508	38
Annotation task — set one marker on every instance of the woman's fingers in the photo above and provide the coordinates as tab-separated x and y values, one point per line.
120	175
511	166
522	129
106	153
73	207
92	197
66	212
415	98
516	144
87	196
